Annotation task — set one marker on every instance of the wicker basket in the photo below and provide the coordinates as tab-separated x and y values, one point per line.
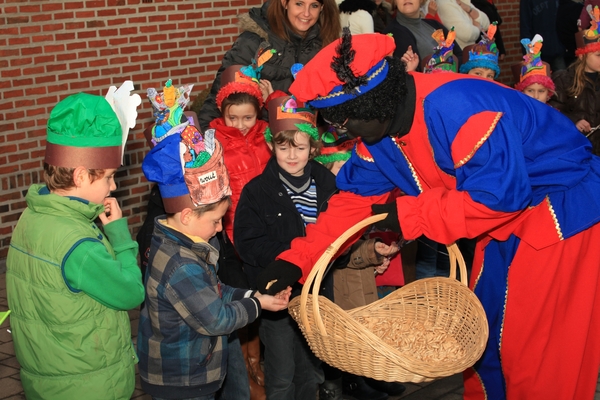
428	329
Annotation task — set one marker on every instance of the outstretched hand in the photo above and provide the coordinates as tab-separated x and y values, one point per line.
277	276
390	222
277	302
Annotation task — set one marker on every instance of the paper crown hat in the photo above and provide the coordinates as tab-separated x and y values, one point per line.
167	108
189	170
484	54
240	79
533	69
91	131
335	147
443	59
187	166
591	36
288	114
344	69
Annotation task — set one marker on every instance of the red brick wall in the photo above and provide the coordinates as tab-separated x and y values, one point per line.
50	49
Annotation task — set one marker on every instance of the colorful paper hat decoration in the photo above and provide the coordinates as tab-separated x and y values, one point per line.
484	54
189	170
356	63
288	114
240	79
335	147
91	131
533	69
591	36
443	59
168	107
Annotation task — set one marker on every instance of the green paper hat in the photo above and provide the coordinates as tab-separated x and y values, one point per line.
90	131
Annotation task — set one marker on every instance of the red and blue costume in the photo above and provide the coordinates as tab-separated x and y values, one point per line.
487	162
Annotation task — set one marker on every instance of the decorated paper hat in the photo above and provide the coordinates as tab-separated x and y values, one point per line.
91	131
335	147
443	59
288	114
533	69
167	108
484	54
344	69
240	79
189	170
591	36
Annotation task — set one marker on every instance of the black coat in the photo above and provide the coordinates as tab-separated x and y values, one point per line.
257	33
266	219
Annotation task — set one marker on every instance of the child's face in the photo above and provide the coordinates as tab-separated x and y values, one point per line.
97	191
293	159
538	92
483	72
592	62
242	117
208	224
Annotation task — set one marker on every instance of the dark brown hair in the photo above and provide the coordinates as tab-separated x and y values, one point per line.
209	207
61	178
287	137
329	20
237	99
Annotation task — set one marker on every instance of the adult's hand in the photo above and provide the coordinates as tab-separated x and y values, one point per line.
278	276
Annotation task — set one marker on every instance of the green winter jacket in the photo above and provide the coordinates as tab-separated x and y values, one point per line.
69	345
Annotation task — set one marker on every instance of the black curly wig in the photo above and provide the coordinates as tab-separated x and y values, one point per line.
380	103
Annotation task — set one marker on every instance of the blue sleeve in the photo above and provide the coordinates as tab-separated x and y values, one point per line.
362	177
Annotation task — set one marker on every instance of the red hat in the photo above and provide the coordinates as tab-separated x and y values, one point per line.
358	59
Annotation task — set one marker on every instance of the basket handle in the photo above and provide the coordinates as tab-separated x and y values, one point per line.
456	258
316	273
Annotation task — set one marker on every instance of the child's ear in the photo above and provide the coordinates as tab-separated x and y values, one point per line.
271	146
80	174
185	216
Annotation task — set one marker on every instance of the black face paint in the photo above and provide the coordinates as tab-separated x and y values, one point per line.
369	131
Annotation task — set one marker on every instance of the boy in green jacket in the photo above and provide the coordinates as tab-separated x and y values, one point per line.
69	283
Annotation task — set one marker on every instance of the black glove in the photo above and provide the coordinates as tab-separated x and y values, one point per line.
390	222
282	272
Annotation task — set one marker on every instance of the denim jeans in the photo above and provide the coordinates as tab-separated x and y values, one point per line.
292	371
236	385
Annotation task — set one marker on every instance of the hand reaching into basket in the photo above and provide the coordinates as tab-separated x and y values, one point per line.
390	222
277	276
277	302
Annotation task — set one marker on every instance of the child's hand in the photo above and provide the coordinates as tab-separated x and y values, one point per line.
410	59
432	7
275	303
112	211
380	269
266	88
583	126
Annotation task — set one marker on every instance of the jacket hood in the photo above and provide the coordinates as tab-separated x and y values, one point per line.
255	21
40	200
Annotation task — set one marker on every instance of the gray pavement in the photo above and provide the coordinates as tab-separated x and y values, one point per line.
450	388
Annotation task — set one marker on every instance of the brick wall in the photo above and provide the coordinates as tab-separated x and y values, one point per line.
50	49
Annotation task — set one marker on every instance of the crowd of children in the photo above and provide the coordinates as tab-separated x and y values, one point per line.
227	202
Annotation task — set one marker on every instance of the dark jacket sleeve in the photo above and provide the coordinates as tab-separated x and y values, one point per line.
241	53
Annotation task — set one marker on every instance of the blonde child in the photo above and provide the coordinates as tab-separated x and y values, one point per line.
69	283
189	313
534	79
483	57
577	86
276	207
